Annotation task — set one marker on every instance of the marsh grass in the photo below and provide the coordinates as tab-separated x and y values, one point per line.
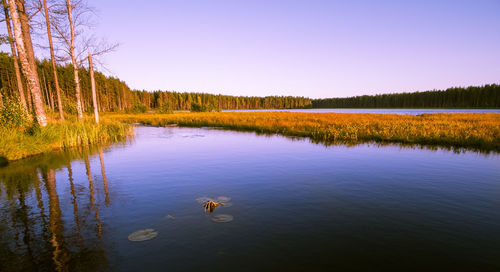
479	131
18	143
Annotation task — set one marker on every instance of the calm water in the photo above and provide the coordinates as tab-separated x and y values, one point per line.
383	111
297	206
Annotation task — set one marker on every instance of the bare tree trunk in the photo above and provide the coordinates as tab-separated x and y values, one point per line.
52	58
49	92
118	99
124	98
75	64
47	96
92	85
30	101
51	98
14	56
1	100
30	73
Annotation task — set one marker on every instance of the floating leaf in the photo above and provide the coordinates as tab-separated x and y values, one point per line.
222	218
223	198
142	235
227	204
170	217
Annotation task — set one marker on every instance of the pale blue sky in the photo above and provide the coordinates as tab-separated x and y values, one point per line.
304	48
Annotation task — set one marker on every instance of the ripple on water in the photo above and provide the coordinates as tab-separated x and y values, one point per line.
222	218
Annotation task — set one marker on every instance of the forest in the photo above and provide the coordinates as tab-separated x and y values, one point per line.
487	96
113	95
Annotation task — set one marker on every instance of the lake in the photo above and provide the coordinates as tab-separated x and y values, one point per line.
295	205
380	111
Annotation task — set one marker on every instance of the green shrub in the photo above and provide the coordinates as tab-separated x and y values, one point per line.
165	108
196	107
13	115
69	107
139	108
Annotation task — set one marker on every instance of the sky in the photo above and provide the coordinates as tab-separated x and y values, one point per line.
302	48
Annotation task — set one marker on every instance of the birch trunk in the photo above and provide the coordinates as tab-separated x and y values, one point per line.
30	73
14	57
92	85
75	64
52	58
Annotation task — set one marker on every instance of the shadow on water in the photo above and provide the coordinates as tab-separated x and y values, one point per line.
34	233
3	162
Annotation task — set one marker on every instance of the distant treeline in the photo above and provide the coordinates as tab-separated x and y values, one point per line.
487	96
187	101
114	94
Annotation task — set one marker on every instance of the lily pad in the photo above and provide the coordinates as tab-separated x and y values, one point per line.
170	217
222	218
223	198
142	235
227	204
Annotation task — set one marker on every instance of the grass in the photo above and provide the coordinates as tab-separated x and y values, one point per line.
20	143
479	131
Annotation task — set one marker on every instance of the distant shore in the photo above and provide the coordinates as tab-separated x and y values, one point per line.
477	131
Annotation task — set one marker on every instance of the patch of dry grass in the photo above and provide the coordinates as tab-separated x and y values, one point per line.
468	130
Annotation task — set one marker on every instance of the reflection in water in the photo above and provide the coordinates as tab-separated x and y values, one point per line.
59	255
75	204
104	179
34	236
300	206
92	198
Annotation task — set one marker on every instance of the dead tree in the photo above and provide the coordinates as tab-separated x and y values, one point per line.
27	65
72	22
52	58
14	56
92	84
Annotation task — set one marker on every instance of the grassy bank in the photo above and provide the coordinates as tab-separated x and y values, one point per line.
16	143
468	130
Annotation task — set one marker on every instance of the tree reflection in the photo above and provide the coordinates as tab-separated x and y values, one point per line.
75	204
103	173
33	232
92	198
59	254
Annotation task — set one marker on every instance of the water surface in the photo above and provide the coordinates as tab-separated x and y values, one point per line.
378	111
297	206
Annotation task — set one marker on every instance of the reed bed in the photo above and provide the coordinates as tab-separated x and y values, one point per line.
462	130
18	143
